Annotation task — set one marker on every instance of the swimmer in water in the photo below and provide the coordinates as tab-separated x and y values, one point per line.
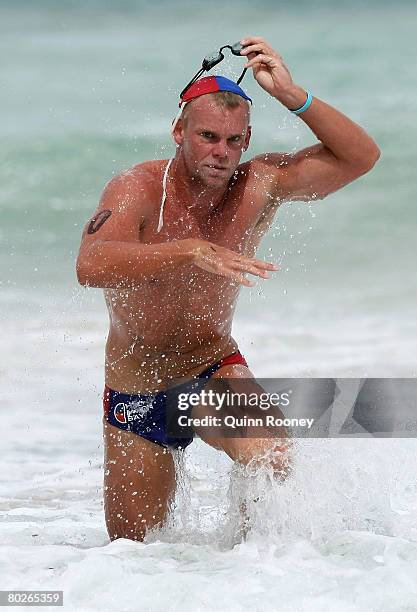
171	243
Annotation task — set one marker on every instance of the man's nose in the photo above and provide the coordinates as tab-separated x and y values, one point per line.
220	148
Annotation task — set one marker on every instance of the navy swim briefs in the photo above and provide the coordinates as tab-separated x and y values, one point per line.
146	415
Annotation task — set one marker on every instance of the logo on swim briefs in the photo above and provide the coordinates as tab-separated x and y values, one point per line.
135	411
119	412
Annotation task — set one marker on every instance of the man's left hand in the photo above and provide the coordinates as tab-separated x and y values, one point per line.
268	67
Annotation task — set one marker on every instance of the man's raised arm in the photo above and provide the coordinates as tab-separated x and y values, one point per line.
345	152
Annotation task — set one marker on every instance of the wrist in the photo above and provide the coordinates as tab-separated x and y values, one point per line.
293	98
189	249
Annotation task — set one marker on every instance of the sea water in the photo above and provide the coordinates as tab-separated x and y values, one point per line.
89	89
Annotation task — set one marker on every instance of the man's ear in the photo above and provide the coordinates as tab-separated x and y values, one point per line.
178	132
247	138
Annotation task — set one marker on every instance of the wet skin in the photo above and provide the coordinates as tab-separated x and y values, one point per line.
179	322
171	295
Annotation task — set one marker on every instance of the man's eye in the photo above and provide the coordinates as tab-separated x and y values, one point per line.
207	134
235	138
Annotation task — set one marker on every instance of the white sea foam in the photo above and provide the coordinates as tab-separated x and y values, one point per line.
340	533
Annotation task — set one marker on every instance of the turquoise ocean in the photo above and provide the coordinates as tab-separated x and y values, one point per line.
87	89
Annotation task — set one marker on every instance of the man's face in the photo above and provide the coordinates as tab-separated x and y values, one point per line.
212	140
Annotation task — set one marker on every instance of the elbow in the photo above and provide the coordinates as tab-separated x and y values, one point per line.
376	154
81	277
86	268
371	158
82	274
88	276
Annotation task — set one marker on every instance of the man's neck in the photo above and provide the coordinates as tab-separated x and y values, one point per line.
191	192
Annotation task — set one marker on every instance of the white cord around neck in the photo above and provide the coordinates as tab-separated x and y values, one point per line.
164	180
164	195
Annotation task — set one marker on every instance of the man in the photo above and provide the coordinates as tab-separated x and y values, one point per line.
171	243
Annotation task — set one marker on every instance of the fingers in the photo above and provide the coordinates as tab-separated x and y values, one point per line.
256	44
242	259
259	48
225	262
258	51
236	271
251	266
252	40
262	59
265	265
236	276
252	269
243	281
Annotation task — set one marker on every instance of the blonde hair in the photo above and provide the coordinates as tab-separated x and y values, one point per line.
223	99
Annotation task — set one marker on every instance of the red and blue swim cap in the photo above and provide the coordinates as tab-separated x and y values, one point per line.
212	84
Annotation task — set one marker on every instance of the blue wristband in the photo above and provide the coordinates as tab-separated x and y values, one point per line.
305	106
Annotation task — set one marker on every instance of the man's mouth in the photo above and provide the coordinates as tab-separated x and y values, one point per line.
217	167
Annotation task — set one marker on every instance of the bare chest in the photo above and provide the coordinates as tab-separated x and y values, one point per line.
189	297
233	224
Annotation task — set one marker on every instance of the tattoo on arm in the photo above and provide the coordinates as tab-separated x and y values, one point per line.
97	221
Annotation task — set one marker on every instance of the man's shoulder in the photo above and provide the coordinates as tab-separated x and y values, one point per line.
275	160
269	172
264	162
271	169
140	175
147	169
141	182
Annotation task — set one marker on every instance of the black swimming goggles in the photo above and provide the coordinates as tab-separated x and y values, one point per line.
212	60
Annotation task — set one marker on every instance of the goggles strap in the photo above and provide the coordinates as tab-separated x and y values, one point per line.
241	76
193	80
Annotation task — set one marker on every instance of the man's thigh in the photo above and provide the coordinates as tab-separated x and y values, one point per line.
139	483
255	444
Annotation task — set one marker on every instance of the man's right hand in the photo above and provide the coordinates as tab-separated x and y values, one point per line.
219	260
